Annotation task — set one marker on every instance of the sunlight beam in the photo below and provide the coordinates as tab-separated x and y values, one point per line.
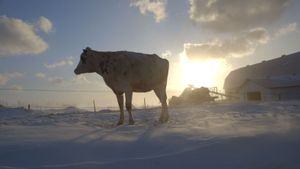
206	73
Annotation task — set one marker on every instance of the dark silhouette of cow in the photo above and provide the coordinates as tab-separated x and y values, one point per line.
128	72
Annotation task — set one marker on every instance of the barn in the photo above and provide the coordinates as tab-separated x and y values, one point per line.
276	79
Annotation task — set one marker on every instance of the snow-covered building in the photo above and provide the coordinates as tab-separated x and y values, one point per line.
276	79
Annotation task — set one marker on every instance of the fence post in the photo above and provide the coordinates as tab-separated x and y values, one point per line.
145	104
94	106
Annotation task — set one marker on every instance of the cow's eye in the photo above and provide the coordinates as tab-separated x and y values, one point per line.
83	60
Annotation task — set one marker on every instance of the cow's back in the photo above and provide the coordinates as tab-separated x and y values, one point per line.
142	71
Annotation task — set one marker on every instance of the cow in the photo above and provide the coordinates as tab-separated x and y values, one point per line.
128	72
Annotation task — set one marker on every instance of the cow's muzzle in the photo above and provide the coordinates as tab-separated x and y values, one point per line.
76	71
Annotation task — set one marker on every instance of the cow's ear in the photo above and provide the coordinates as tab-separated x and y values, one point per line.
84	51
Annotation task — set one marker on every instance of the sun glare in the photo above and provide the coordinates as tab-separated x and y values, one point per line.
206	73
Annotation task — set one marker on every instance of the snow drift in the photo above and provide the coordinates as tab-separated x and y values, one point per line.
233	136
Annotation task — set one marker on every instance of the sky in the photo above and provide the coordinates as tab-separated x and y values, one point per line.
41	41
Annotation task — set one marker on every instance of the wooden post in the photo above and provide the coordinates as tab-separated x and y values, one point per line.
94	106
145	105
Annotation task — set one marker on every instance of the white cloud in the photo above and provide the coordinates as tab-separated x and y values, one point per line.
17	87
19	37
157	7
45	24
5	77
53	80
234	15
238	46
56	80
80	79
40	75
166	54
292	27
68	61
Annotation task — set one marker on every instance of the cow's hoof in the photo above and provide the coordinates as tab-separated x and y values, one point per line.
120	123
131	122
163	120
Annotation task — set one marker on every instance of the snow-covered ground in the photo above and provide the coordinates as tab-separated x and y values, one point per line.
212	136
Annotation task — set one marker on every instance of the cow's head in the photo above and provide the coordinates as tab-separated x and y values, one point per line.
85	64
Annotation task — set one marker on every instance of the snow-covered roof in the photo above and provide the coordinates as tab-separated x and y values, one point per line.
286	67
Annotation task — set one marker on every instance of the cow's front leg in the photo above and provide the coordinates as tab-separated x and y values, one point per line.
128	96
121	106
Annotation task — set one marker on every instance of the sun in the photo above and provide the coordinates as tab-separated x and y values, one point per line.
202	73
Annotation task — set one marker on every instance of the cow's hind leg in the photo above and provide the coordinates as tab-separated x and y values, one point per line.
128	96
121	106
162	96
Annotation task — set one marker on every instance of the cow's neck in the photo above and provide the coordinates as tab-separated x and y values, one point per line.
101	63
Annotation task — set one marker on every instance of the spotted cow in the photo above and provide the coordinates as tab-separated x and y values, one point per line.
128	72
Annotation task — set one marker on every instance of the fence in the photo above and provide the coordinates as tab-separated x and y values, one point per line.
92	104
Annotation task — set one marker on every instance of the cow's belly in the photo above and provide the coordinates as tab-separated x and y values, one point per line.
142	88
139	81
122	85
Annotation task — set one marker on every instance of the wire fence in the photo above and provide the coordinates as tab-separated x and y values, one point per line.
90	104
27	105
67	91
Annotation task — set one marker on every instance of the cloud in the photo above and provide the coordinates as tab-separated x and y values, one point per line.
56	80
53	80
68	61
17	87
5	77
157	7
235	15
166	54
40	75
45	24
259	35
76	80
80	79
238	46
19	37
292	27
